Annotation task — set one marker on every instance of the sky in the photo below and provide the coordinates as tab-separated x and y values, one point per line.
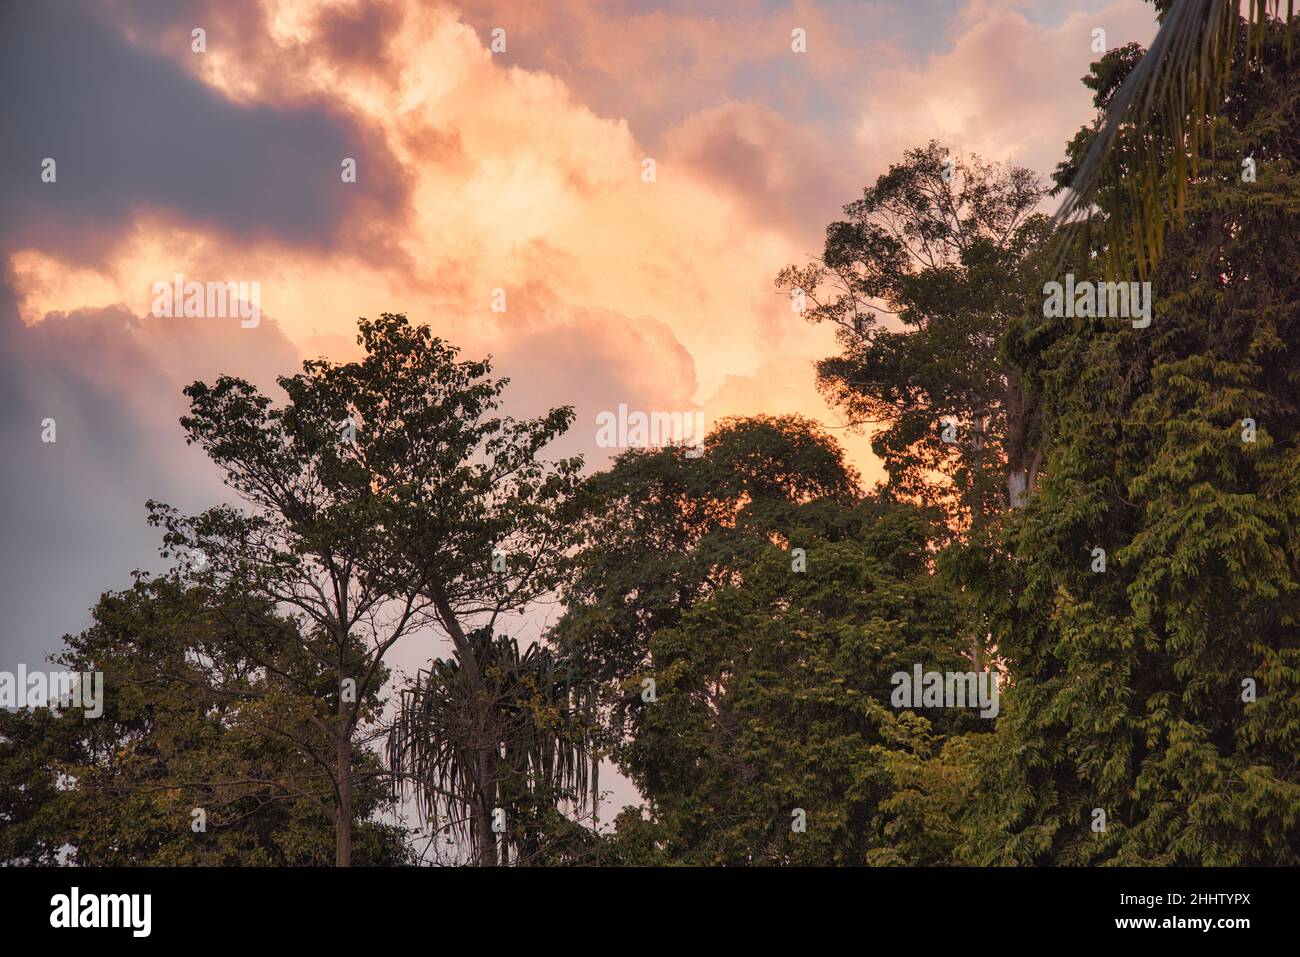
520	169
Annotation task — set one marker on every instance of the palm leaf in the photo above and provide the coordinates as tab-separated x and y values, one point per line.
1164	114
535	722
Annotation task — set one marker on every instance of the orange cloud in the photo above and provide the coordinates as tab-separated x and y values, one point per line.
510	179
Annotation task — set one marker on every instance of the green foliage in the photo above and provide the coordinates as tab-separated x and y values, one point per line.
1128	684
190	721
382	493
771	677
773	695
661	531
1147	148
536	718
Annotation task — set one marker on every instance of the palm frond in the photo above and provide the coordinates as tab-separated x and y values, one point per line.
1163	115
531	720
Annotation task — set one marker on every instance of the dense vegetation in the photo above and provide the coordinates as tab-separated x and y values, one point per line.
1102	514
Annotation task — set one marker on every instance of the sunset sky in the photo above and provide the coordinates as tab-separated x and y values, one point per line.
519	170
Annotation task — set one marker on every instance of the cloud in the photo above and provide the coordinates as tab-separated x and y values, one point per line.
1008	88
359	33
780	387
594	360
130	131
780	174
73	511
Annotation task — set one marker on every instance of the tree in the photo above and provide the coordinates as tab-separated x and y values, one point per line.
387	497
201	756
536	724
743	679
458	515
660	531
773	699
1149	143
1154	713
943	245
319	474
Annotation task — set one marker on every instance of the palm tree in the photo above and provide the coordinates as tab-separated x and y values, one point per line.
531	718
1162	116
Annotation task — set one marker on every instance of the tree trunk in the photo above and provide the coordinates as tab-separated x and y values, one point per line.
484	806
978	426
487	845
1018	416
343	813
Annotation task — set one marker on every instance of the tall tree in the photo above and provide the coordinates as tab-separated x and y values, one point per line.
317	473
387	496
744	680
1149	143
661	531
943	246
1154	714
469	527
771	738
